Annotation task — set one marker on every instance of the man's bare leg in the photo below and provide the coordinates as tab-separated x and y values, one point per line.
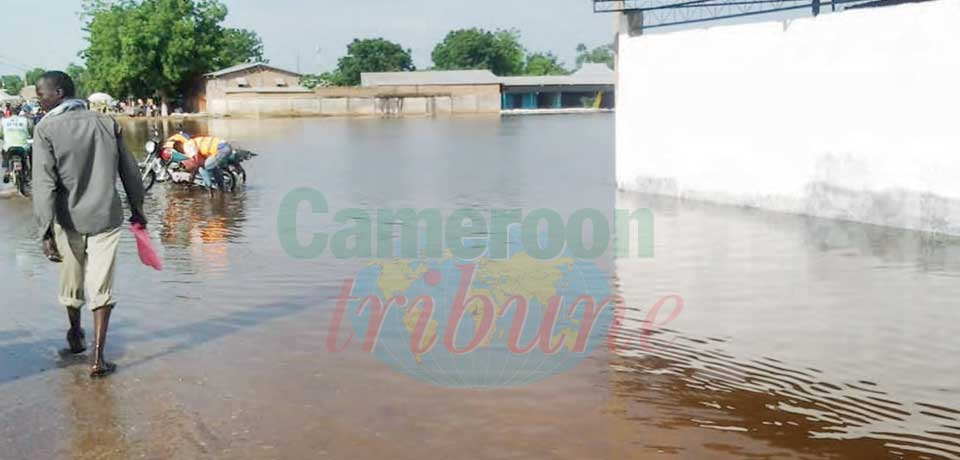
101	322
76	338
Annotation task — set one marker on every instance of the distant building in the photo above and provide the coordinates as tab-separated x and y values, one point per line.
591	87
450	91
430	78
211	94
259	90
29	93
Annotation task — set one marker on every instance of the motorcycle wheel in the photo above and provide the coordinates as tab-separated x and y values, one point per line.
241	174
229	180
22	184
164	174
149	180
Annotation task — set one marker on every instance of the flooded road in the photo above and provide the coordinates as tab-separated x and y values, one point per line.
797	337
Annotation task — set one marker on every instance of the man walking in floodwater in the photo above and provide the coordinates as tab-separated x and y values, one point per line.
78	155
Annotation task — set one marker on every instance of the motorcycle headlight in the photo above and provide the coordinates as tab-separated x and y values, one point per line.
150	146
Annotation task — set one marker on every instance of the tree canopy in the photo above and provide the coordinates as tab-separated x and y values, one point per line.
160	47
599	55
544	64
34	75
79	76
500	51
12	84
311	81
368	55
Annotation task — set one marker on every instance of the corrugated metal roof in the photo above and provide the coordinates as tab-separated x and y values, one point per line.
246	66
594	69
589	74
429	78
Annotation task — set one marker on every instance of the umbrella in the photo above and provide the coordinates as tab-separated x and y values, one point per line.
6	98
100	98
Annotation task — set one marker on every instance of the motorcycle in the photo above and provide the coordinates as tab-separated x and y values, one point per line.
19	170
155	169
234	175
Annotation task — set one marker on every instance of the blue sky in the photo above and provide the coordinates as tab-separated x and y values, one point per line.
47	33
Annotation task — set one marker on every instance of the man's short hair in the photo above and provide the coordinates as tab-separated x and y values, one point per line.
62	81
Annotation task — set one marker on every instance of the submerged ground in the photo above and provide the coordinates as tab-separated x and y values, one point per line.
798	338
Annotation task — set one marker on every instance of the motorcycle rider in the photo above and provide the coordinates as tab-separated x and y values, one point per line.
204	154
180	149
174	148
216	153
15	132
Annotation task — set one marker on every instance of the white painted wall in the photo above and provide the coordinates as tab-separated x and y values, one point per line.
854	115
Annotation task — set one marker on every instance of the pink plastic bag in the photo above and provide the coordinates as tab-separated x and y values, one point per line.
148	255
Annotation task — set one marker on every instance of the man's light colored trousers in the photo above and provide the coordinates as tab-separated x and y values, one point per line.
86	274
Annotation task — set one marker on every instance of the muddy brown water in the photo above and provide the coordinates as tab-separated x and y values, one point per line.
798	337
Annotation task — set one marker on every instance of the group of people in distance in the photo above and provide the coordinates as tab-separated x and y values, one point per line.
206	155
141	108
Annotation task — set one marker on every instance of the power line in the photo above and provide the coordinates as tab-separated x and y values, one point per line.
11	63
10	60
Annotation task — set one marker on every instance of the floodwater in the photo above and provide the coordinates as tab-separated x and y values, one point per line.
797	337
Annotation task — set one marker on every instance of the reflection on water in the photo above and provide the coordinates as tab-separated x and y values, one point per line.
813	335
198	229
96	432
798	338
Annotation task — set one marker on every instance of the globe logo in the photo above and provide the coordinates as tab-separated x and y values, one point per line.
473	297
482	323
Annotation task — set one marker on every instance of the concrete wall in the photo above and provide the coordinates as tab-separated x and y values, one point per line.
850	115
357	101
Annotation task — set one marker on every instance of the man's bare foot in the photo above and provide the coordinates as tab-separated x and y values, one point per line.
102	369
77	341
51	251
101	321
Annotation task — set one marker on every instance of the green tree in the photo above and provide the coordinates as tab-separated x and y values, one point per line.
34	75
369	55
500	51
160	47
544	64
240	45
599	55
311	81
79	76
12	84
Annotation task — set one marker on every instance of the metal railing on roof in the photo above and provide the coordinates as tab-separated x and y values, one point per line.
666	13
